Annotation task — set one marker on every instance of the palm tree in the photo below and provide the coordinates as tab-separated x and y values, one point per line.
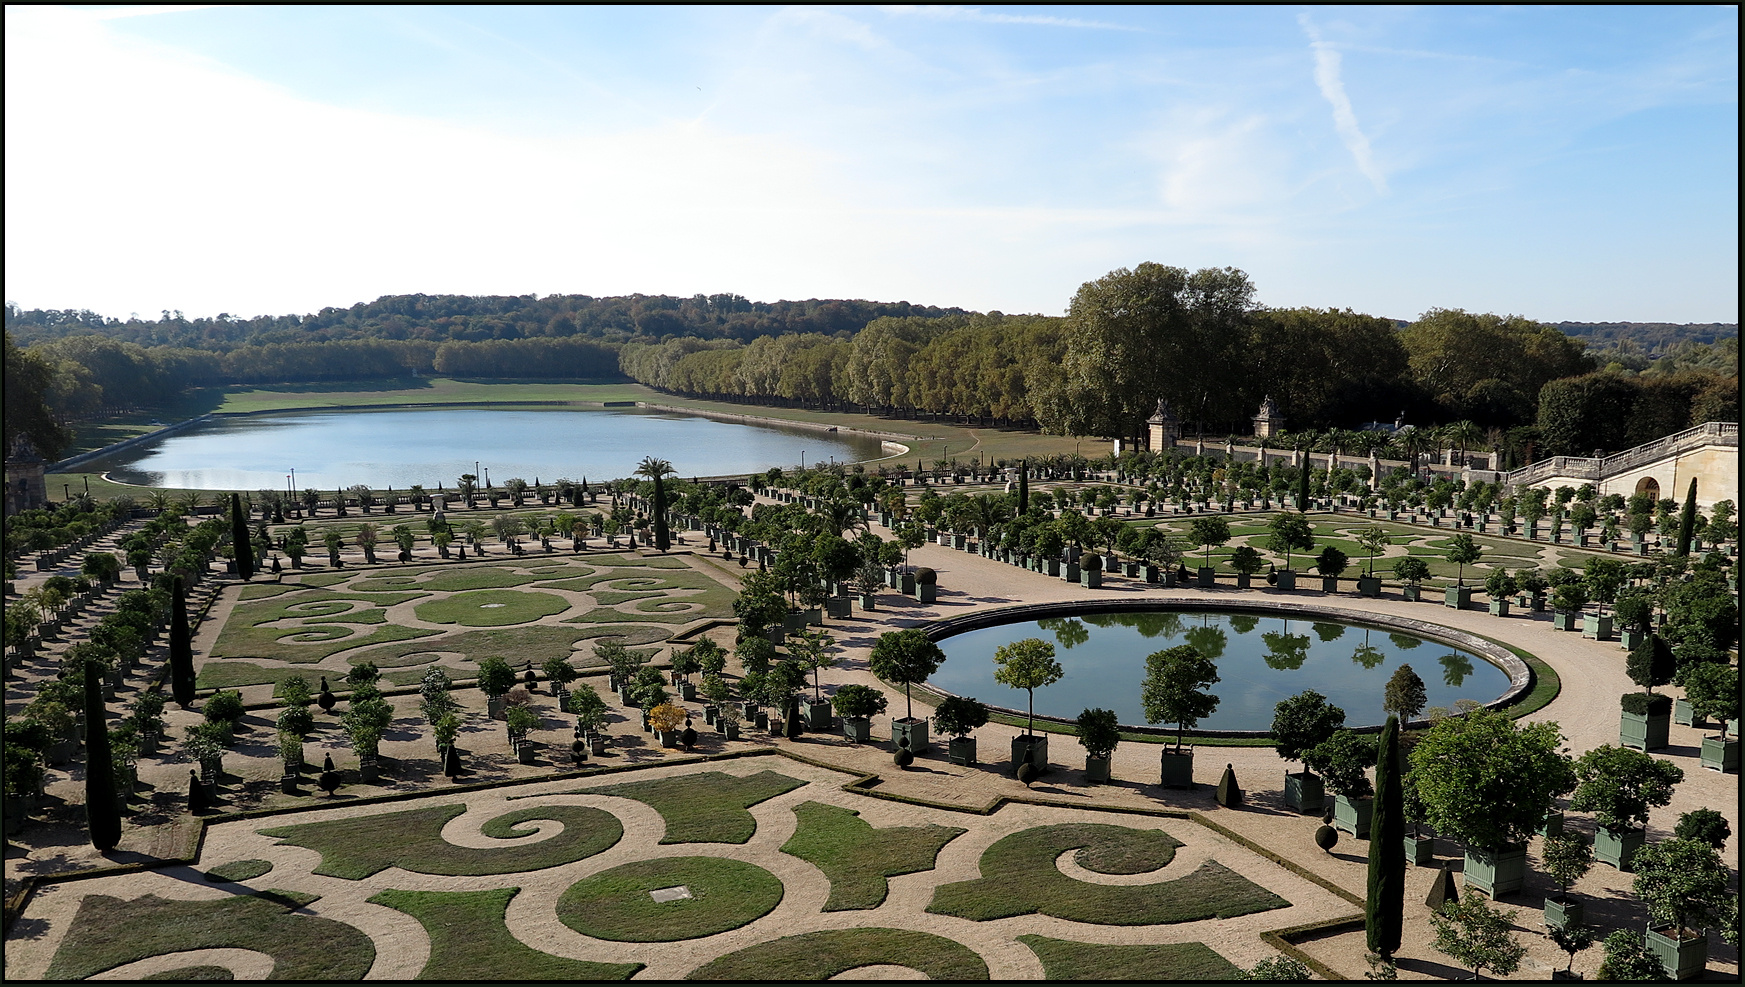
1463	434
657	470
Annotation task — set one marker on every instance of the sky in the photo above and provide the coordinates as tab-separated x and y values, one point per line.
1561	163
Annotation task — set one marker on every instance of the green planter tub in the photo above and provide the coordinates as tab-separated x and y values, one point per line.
1031	747
1500	607
1496	872
1420	850
962	751
1097	770
1411	594
1684	955
1287	580
1721	755
1646	731
914	730
1618	846
1458	598
1304	791
1564	621
1369	586
1176	768
1353	816
1597	626
1563	914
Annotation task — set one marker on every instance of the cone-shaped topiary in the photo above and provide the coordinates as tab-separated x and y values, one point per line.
1443	889
1384	910
101	808
1687	519
181	647
243	548
1229	796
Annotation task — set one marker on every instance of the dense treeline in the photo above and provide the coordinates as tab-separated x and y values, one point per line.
1128	339
439	318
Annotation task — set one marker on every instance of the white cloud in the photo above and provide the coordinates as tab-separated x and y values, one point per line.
1327	59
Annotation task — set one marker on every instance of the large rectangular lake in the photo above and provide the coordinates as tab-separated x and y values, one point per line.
405	446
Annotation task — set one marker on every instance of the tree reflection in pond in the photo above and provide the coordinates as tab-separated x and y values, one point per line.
1455	669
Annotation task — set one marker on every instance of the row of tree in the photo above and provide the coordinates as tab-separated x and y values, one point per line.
1196	339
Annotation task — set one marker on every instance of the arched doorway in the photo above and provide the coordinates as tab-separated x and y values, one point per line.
1649	486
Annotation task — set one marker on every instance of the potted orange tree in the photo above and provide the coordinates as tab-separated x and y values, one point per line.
1174	691
956	717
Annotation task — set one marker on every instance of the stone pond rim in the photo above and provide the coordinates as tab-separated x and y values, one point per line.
1520	675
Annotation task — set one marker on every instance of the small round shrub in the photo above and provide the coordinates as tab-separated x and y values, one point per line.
1326	837
926	577
224	707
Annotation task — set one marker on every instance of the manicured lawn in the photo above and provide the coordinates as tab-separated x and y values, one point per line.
456	579
822	955
1020	877
239	870
108	932
327	625
859	859
708	807
491	608
1063	960
412	840
469	940
616	904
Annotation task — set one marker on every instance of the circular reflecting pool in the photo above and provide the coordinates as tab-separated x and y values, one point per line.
1261	660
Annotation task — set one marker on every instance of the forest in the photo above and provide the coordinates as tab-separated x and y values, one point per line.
1196	339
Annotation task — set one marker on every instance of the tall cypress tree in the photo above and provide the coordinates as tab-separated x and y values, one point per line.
101	808
1023	487
1687	520
1384	912
1303	486
239	538
181	648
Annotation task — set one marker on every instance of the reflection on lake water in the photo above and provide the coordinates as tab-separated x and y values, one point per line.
401	447
1261	660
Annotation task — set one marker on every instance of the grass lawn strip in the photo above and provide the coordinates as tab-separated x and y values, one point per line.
469	940
616	904
238	870
517	645
822	955
108	932
708	807
356	848
194	974
491	608
1020	877
451	580
1063	960
320	641
859	859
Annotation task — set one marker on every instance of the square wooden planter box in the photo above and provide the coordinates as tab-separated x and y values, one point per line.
1644	731
1500	608
1369	586
1032	747
1304	792
1681	958
1176	768
1420	850
914	730
1458	598
1329	584
1564	621
961	751
1721	755
1563	914
1496	873
1597	626
1353	817
1097	770
1287	580
1411	594
1205	578
839	607
1618	846
819	716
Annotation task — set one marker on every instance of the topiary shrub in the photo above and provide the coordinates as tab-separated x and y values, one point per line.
224	707
1326	837
926	577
